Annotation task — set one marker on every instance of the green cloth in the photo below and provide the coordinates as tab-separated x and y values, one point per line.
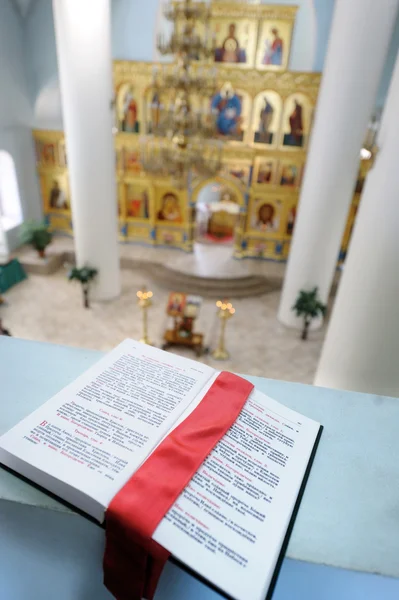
10	274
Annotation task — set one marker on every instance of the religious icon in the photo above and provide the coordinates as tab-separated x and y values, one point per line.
155	107
48	155
137	202
289	174
266	117
57	197
265	172
176	304
132	160
264	135
170	209
227	107
291	221
266	218
230	51
62	156
273	54
295	136
274	45
130	121
239	171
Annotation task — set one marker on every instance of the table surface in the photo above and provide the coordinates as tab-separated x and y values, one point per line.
349	516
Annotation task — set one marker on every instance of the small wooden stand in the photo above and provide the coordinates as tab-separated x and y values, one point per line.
194	341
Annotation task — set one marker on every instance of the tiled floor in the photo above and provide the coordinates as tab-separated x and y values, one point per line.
48	308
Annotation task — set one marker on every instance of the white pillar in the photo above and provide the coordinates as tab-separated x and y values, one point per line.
359	40
361	350
83	35
3	244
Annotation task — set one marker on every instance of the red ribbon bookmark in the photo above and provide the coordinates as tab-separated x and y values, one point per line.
133	561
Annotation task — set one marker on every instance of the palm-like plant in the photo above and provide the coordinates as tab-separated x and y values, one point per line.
85	276
37	234
309	307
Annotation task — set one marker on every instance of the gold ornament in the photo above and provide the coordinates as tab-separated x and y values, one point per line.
225	312
181	141
144	302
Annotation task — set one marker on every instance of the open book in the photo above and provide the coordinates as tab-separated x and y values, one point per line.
230	524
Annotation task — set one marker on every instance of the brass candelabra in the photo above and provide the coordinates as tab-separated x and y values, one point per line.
144	301
181	138
225	312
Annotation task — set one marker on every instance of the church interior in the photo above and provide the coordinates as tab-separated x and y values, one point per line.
231	178
215	178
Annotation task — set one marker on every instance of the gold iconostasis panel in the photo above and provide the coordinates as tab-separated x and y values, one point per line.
263	115
252	36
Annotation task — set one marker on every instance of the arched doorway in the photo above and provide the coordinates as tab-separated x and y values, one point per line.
10	202
217	211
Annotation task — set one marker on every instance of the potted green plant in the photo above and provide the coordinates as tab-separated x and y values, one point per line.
37	234
85	276
309	307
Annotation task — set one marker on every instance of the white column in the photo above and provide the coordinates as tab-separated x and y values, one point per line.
83	35
359	40
361	350
3	244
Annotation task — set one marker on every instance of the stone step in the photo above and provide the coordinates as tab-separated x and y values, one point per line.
170	278
211	287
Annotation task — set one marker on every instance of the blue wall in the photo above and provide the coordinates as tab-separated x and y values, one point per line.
16	113
389	65
40	49
133	29
15	108
324	12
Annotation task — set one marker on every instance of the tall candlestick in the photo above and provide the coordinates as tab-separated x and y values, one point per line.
144	302
225	312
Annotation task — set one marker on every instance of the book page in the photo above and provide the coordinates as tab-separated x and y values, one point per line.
97	431
229	523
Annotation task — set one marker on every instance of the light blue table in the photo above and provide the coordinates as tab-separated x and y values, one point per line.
345	543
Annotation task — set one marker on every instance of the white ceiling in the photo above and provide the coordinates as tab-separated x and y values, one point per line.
23	6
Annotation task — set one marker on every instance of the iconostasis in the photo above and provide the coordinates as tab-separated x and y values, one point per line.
263	114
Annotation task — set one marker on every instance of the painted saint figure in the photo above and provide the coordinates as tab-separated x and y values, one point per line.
295	137
130	119
138	204
289	175
176	303
57	196
48	154
230	51
274	51
266	220
227	107
155	107
265	173
170	209
263	135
